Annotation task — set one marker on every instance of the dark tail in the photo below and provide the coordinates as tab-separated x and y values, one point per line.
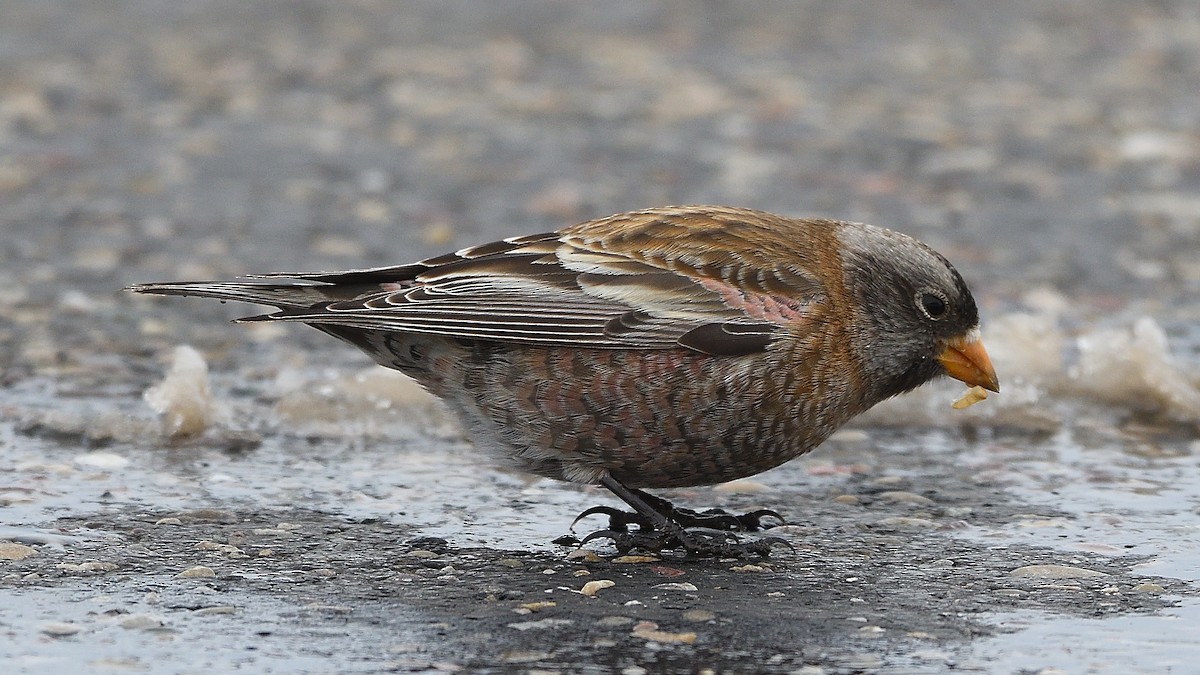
295	295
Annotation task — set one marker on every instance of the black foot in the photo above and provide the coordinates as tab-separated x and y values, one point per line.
712	519
701	534
696	544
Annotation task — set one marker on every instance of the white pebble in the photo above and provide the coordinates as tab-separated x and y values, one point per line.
591	588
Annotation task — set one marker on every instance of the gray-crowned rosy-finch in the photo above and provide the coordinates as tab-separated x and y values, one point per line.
669	347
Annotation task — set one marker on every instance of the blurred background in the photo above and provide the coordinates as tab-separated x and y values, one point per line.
1033	142
1050	150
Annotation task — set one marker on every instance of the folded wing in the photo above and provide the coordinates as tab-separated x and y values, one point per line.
553	289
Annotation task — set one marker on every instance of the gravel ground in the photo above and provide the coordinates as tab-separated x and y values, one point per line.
332	518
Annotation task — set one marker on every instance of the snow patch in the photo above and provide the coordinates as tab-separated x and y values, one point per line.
183	399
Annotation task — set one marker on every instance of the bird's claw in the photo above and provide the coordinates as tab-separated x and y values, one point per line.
695	544
712	519
661	525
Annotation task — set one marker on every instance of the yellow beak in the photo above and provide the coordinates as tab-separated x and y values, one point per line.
965	359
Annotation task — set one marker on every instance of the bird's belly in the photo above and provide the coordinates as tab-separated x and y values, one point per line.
665	418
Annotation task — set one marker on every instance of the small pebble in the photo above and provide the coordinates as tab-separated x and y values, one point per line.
1147	587
905	497
1055	572
537	606
210	515
226	549
168	521
197	572
591	588
523	656
87	567
684	586
330	609
664	571
634	559
906	523
648	630
541	624
698	615
12	551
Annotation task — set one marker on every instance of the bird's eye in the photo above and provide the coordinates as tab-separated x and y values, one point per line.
932	304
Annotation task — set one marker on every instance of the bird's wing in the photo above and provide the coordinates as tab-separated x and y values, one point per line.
635	282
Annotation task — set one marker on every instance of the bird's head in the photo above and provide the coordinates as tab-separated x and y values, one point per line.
914	318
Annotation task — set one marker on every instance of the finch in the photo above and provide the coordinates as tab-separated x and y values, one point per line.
669	347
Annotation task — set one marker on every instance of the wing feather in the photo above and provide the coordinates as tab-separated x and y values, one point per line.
692	277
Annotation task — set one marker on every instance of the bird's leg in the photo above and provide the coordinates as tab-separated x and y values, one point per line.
658	530
713	519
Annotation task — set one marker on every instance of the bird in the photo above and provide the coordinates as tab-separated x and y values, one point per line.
662	348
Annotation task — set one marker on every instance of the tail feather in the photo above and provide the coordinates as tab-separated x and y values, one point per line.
283	296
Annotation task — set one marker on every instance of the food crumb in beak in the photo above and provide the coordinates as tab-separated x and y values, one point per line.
970	397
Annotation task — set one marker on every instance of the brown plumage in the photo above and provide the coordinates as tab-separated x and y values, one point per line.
661	348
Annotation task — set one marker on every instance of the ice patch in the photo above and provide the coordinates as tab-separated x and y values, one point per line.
373	402
102	460
183	399
1133	366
